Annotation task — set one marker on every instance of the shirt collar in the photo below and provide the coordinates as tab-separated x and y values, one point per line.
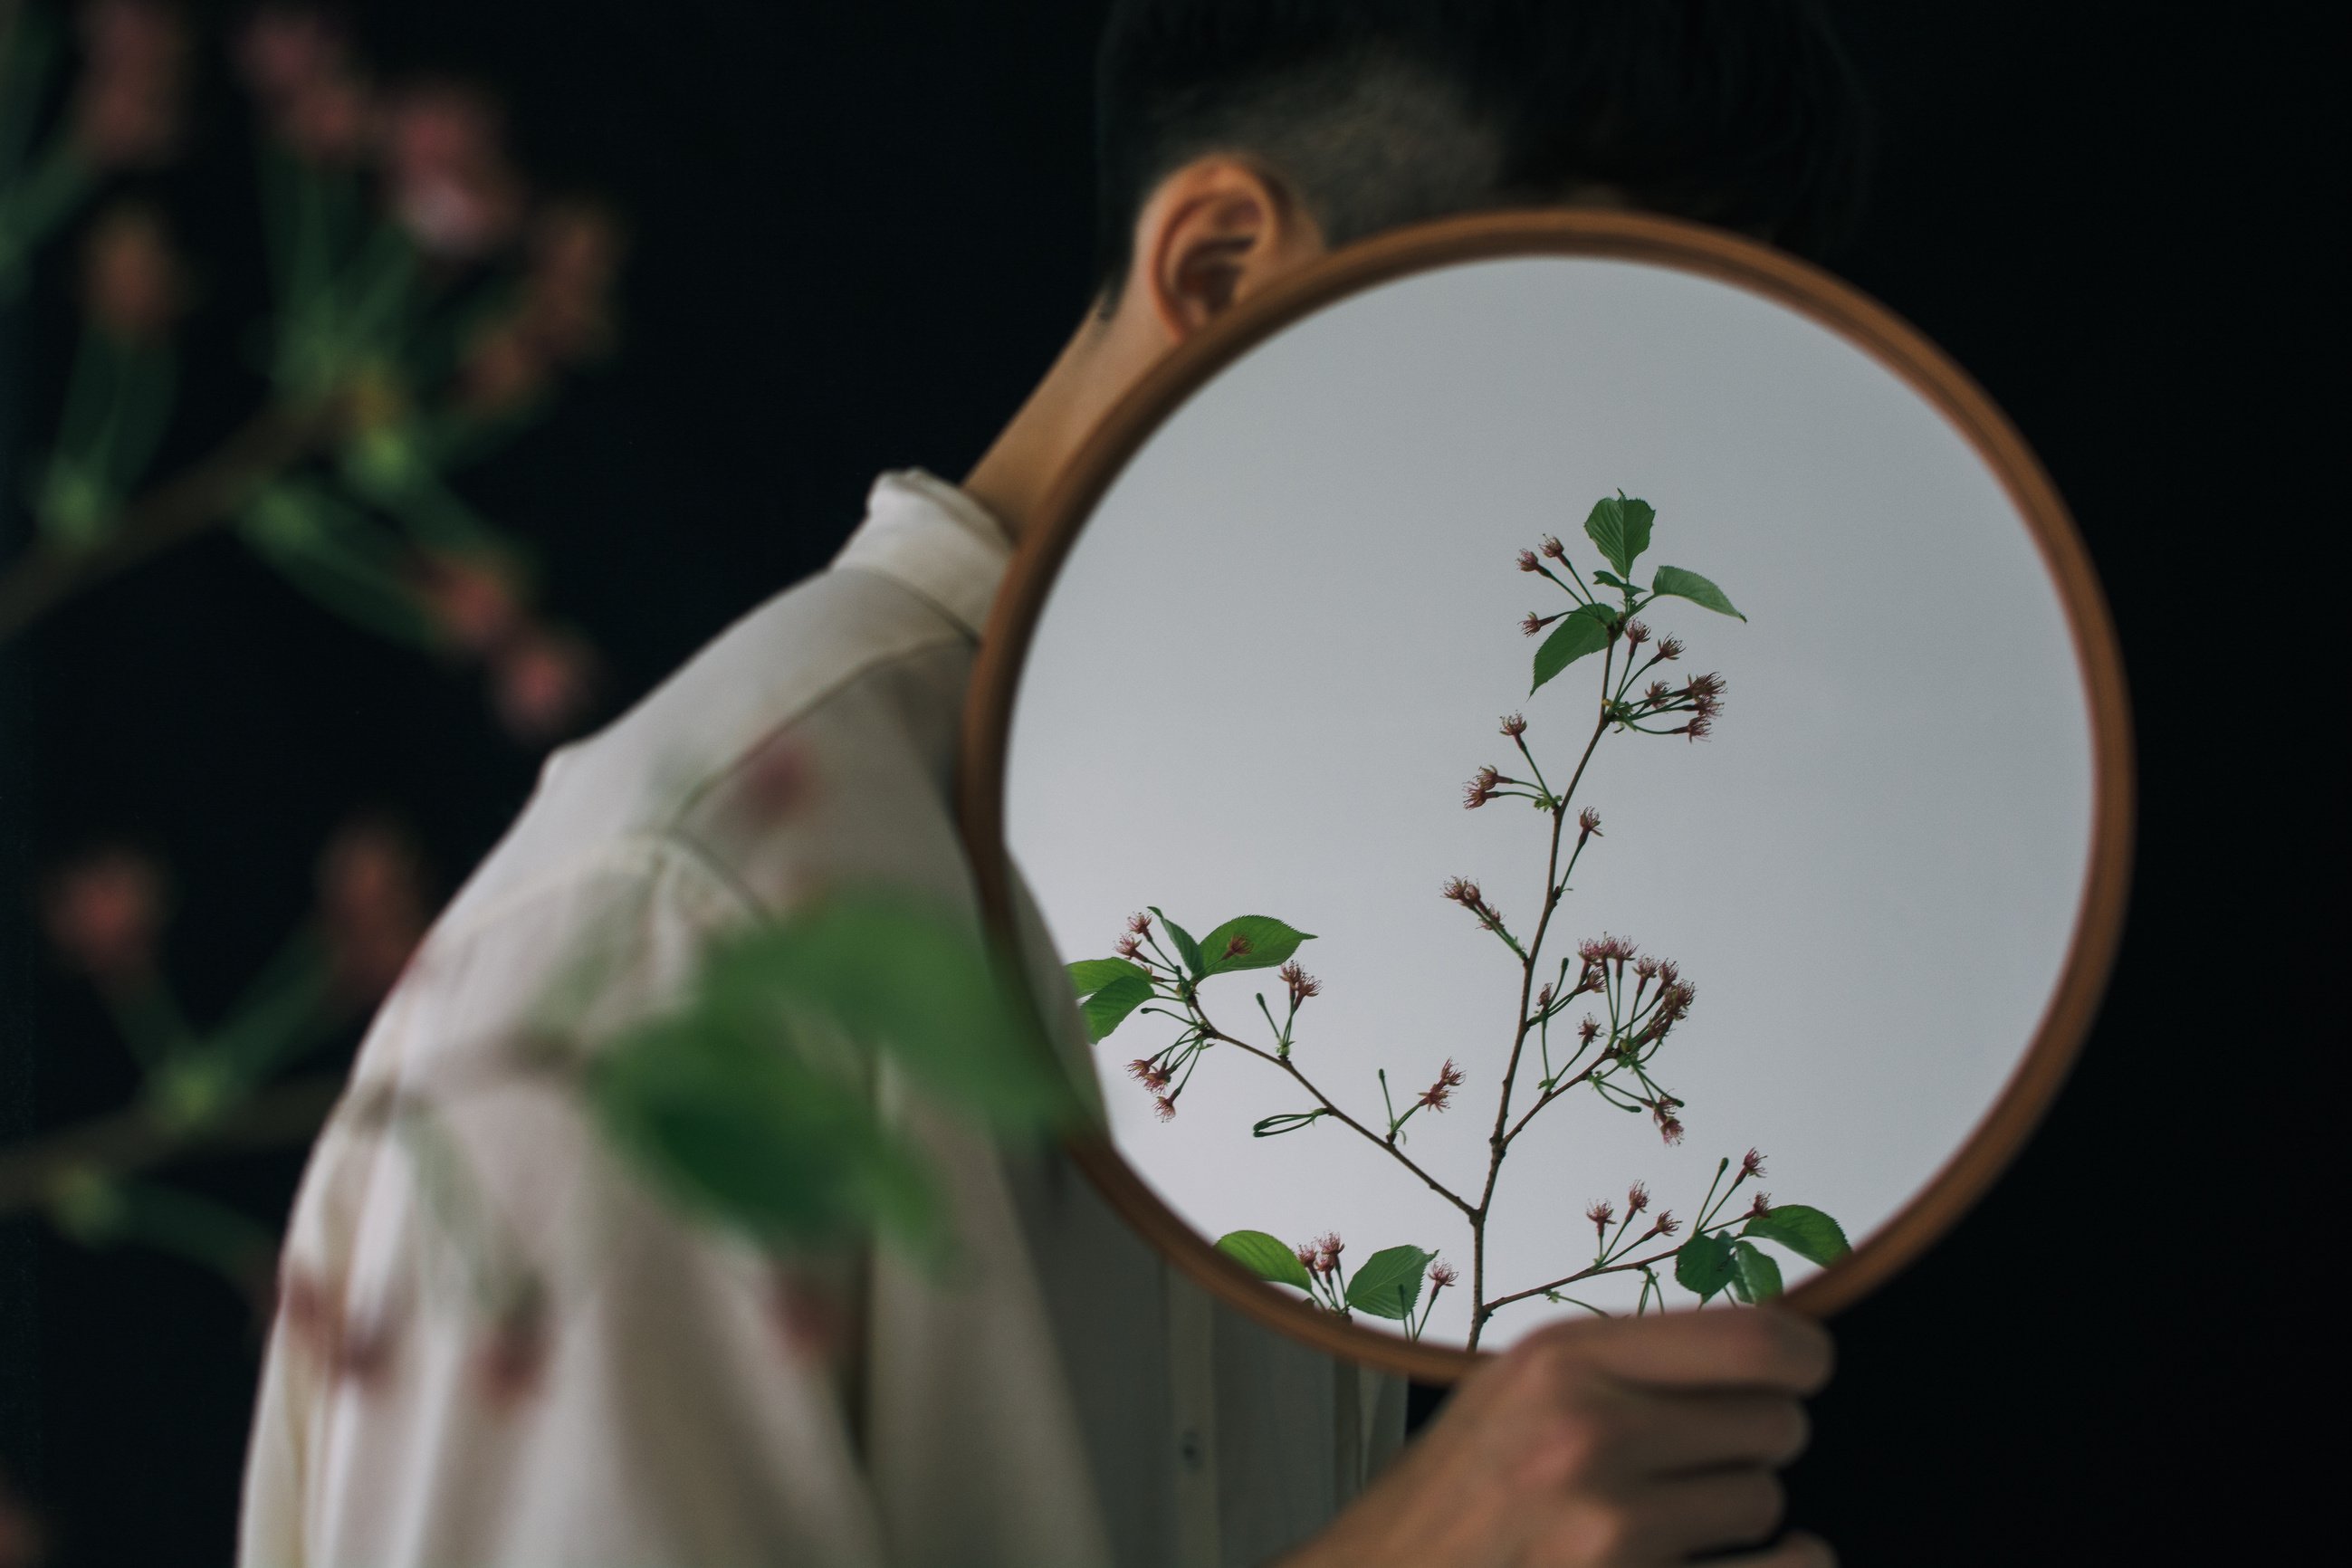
935	539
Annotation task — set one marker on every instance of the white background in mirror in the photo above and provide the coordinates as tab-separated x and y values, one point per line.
1286	639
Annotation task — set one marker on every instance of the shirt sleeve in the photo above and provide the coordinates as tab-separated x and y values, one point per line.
493	1344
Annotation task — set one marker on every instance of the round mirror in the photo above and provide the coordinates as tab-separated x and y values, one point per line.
1792	734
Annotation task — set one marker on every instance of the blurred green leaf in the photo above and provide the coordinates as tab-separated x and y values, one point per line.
1088	975
1807	1232
1690	585
1622	528
1265	941
1389	1283
1755	1277
1583	632
1265	1257
1704	1265
907	980
1186	948
730	1124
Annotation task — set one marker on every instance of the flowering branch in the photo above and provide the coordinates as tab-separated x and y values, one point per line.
1643	997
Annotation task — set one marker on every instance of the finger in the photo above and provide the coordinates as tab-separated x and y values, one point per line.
1759	1347
1663	1433
1797	1550
1672	1518
1663	1522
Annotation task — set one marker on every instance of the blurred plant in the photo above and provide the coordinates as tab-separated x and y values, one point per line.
106	913
427	309
1613	1059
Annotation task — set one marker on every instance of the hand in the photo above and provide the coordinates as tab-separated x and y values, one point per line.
1618	1443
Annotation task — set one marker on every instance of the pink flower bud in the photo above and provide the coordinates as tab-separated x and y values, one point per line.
1528	562
132	281
1600	1213
1666	1224
127	112
1588	820
543	683
1759	1206
1637	1198
1637	633
1751	1165
1553	548
1514	725
1671	648
1164	1107
1442	1274
1128	947
372	901
102	914
1139	923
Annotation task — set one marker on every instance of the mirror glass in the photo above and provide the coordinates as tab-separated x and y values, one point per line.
1287	639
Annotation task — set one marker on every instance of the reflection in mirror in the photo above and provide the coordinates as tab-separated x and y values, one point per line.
1779	762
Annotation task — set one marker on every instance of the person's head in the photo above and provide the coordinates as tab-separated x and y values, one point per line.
1238	140
1236	137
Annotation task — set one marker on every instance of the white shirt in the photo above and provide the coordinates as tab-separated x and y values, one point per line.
496	1346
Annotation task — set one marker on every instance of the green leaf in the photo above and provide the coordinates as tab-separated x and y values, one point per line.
1704	1266
1089	975
1621	528
902	979
1108	1007
1267	941
1611	579
1755	1276
1690	585
1186	948
1807	1232
1264	1257
733	1125
1581	632
1274	1126
1389	1283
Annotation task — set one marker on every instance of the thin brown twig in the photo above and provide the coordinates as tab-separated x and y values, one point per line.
200	497
138	1138
1402	1158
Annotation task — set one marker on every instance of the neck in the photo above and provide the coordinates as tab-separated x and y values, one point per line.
1095	367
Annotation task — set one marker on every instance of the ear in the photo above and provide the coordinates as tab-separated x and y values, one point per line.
1215	232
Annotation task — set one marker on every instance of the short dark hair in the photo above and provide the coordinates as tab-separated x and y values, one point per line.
1744	113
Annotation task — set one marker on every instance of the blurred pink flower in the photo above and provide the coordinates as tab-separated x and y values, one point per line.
298	65
103	913
542	682
473	601
576	249
451	186
128	109
132	281
372	900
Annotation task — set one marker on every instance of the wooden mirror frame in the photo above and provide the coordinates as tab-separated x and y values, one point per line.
1722	257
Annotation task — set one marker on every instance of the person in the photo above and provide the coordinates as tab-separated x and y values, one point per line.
555	1368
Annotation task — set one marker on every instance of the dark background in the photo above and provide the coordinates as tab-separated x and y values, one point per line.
862	233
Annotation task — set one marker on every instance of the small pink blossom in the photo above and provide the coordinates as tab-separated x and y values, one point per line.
451	186
1442	1274
1553	548
131	282
1751	1165
1600	1213
127	113
1637	1198
102	914
1126	947
1515	725
1437	1095
1302	985
1164	1106
1139	923
1528	562
372	901
542	683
